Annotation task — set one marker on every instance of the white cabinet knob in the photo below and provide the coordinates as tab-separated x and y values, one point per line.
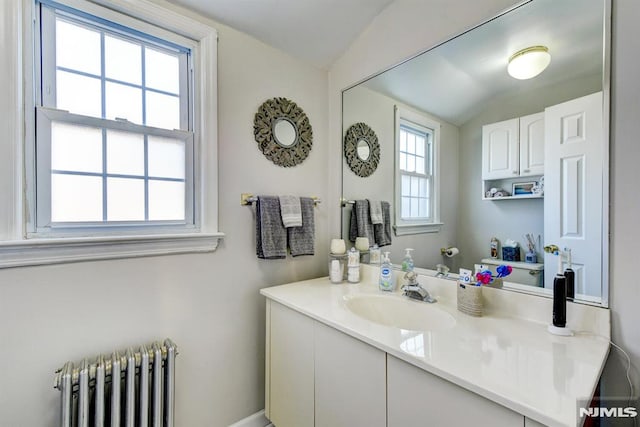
527	170
514	172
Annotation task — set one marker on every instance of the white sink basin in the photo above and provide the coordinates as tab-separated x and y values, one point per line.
399	312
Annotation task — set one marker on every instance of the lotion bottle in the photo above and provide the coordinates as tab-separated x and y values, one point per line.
386	282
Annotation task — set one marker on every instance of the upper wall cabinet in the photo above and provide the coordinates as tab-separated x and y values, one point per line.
513	148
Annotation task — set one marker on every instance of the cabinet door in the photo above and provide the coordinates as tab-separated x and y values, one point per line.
532	145
416	398
349	379
289	376
500	150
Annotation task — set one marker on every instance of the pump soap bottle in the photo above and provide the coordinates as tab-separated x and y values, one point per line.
386	274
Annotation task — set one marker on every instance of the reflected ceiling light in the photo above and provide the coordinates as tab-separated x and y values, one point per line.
529	62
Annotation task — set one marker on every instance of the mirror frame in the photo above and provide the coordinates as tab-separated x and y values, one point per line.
356	133
606	90
268	115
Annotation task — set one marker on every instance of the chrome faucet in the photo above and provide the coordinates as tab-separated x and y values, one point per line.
414	290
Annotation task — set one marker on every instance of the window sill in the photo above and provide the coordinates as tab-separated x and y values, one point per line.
56	251
407	229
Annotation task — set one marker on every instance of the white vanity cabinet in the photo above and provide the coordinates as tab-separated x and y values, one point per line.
417	398
318	376
513	148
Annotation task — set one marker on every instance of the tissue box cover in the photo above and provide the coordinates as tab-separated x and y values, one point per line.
511	254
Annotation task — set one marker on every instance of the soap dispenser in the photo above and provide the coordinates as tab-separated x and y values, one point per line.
407	262
386	282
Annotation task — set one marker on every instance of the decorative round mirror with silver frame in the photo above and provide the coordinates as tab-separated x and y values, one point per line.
361	149
283	132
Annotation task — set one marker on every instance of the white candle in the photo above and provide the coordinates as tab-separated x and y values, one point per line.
362	244
338	246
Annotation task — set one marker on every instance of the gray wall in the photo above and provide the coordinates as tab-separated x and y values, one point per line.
625	200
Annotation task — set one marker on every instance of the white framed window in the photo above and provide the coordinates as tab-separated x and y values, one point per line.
120	154
416	173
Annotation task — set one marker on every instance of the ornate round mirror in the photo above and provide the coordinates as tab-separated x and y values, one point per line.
283	132
361	149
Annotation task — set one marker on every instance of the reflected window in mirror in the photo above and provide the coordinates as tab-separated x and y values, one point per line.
416	192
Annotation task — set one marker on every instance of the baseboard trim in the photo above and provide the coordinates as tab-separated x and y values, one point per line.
256	420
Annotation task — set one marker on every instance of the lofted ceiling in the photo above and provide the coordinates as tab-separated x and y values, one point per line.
316	31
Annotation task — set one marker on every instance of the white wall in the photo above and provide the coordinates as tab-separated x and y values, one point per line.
361	104
207	303
405	28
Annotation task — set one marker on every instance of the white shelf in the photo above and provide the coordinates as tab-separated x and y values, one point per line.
532	196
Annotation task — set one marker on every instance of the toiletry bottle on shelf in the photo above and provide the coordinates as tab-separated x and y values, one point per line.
353	266
570	276
374	254
407	262
386	274
494	247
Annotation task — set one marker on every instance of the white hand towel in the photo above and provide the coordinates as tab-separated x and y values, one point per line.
290	211
375	207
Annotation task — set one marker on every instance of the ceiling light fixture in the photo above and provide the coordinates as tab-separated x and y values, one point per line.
528	62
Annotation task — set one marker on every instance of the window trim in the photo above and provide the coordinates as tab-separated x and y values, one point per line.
16	247
401	226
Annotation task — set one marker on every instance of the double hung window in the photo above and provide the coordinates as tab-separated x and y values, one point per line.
114	144
416	199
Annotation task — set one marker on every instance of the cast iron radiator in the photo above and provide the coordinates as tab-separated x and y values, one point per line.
131	389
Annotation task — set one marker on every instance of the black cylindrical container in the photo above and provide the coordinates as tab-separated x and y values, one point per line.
559	301
570	276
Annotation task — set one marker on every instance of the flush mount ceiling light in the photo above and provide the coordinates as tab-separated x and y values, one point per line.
529	62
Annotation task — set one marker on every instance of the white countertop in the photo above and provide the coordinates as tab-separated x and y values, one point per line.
511	361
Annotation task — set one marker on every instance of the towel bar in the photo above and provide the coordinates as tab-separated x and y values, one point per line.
248	198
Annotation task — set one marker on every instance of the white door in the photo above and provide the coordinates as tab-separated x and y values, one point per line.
500	150
532	144
573	189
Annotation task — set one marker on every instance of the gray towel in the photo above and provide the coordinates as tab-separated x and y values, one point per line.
302	239
271	236
361	225
382	232
290	210
375	206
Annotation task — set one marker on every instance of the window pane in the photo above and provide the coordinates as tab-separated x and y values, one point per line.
166	200
166	157
124	102
163	111
420	145
423	208
78	94
415	186
125	199
405	189
403	161
122	60
406	205
414	208
162	71
411	143
403	140
125	153
77	48
76	148
76	198
411	163
420	165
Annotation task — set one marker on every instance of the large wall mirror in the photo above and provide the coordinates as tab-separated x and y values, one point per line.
485	130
